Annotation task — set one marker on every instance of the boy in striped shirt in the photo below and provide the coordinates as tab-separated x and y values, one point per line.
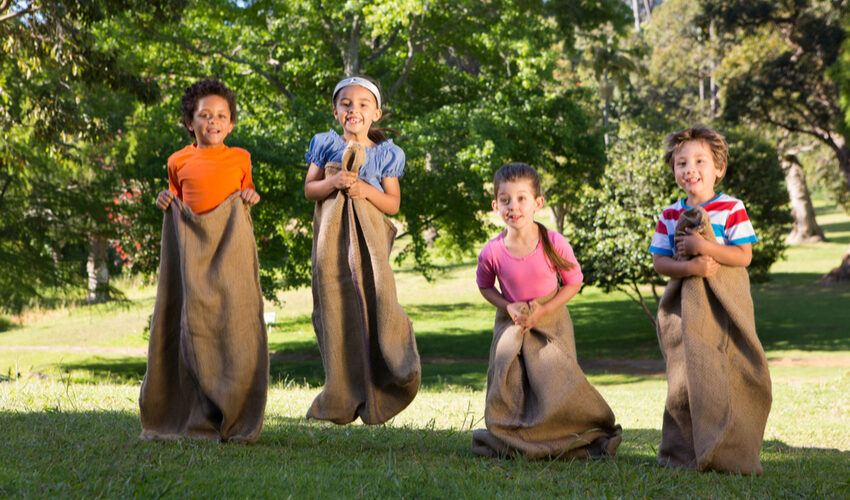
698	157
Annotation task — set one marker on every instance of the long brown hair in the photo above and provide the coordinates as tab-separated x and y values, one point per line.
513	172
375	134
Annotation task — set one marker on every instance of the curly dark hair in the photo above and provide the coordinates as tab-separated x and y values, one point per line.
199	90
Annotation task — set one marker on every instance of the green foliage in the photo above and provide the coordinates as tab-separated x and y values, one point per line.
782	70
755	176
615	222
63	101
467	84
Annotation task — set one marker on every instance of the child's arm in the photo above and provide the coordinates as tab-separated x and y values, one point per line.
539	310
317	187
729	255
701	265
388	202
496	298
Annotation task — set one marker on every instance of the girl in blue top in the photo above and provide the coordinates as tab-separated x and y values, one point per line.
357	105
372	368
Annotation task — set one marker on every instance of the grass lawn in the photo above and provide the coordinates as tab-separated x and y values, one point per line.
69	411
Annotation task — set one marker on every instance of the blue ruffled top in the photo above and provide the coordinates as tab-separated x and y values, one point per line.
384	160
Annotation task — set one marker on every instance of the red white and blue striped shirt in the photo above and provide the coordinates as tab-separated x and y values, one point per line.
728	216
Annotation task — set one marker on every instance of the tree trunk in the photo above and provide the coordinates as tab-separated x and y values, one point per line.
607	90
98	289
842	151
636	11
806	228
560	213
351	52
646	8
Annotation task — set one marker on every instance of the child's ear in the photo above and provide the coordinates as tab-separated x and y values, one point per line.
539	201
495	206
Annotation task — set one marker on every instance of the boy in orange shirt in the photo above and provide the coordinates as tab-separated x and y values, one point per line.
205	173
208	362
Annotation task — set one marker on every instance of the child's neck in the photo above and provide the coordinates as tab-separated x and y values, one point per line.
361	138
522	242
692	201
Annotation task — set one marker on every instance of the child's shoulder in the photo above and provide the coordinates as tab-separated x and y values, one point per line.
492	246
324	139
179	155
723	202
391	158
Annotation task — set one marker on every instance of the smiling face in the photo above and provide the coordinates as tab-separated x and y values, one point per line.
356	109
695	171
211	121
517	203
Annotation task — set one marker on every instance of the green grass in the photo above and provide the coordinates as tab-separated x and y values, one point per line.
69	410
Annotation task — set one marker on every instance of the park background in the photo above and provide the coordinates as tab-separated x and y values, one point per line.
584	91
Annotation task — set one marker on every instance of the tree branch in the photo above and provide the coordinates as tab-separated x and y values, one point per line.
273	79
383	48
5	5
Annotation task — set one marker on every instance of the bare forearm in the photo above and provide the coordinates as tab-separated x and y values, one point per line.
318	190
668	266
563	296
729	255
385	202
494	297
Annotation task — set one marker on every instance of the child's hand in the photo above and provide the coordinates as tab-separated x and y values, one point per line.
531	319
689	245
343	179
517	310
250	196
703	266
163	199
358	189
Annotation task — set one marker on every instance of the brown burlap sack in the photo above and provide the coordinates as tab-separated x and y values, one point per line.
208	359
718	384
539	403
365	337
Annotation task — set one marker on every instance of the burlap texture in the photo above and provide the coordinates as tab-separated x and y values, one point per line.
718	384
539	403
366	339
208	360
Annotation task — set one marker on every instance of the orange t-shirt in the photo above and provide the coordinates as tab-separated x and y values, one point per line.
203	178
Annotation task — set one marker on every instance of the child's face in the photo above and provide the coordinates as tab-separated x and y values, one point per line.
356	109
695	171
517	204
211	122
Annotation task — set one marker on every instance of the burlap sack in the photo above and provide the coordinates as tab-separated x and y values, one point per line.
539	403
366	339
208	360
718	384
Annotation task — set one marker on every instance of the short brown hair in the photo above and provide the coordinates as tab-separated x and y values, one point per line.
715	141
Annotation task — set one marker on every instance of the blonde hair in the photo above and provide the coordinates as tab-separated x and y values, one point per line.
513	172
713	139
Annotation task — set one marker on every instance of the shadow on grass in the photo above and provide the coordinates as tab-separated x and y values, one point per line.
6	324
832	228
126	370
795	312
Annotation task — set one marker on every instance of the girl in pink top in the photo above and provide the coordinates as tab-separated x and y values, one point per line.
526	258
539	403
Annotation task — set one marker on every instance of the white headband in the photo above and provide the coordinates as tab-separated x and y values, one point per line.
356	80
